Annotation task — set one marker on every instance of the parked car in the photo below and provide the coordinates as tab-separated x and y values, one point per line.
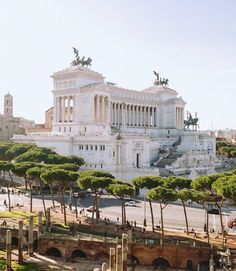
130	203
213	211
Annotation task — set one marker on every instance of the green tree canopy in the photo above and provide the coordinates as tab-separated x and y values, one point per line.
4	146
17	149
178	183
96	173
148	182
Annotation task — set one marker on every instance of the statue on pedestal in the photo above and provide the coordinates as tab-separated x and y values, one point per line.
159	81
80	61
191	121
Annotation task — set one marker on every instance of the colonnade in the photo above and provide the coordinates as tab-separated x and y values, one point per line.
65	108
101	109
179	117
133	115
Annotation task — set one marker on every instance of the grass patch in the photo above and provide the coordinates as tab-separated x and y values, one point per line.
61	225
25	267
16	214
21	215
17	267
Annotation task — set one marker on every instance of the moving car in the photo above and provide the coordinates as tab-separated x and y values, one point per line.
90	209
213	211
130	203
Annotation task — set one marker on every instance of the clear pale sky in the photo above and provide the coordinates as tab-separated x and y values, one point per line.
191	42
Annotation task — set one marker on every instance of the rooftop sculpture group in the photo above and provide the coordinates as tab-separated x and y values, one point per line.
159	81
80	61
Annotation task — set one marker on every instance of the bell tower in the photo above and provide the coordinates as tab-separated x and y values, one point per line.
8	105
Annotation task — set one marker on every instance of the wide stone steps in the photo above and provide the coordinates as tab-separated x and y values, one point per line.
168	161
164	172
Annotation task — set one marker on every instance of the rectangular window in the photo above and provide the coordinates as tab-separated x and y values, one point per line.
103	148
64	129
70	129
91	147
86	147
96	147
114	154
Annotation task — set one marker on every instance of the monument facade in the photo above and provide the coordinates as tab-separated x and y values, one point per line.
127	132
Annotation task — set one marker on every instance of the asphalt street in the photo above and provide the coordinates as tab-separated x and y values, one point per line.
111	208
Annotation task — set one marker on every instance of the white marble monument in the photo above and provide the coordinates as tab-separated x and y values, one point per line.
127	132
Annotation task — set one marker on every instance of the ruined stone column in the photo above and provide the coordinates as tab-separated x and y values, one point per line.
124	251
8	250
104	267
112	259
20	243
40	222
48	218
118	258
31	240
130	240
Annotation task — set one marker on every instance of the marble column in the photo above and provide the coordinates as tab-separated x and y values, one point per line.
141	116
111	113
151	116
129	115
156	116
177	117
117	113
73	109
63	109
104	110
133	120
108	111
68	108
123	118
97	109
148	117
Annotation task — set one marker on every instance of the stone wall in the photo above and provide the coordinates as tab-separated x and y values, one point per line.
176	256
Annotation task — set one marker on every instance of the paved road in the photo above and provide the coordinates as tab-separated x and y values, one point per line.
110	208
173	213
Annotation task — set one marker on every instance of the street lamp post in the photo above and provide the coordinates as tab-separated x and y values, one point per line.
76	196
144	211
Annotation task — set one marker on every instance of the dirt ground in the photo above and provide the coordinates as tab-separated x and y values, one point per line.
50	264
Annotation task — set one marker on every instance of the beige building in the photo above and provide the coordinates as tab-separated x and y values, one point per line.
9	124
49	118
45	127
